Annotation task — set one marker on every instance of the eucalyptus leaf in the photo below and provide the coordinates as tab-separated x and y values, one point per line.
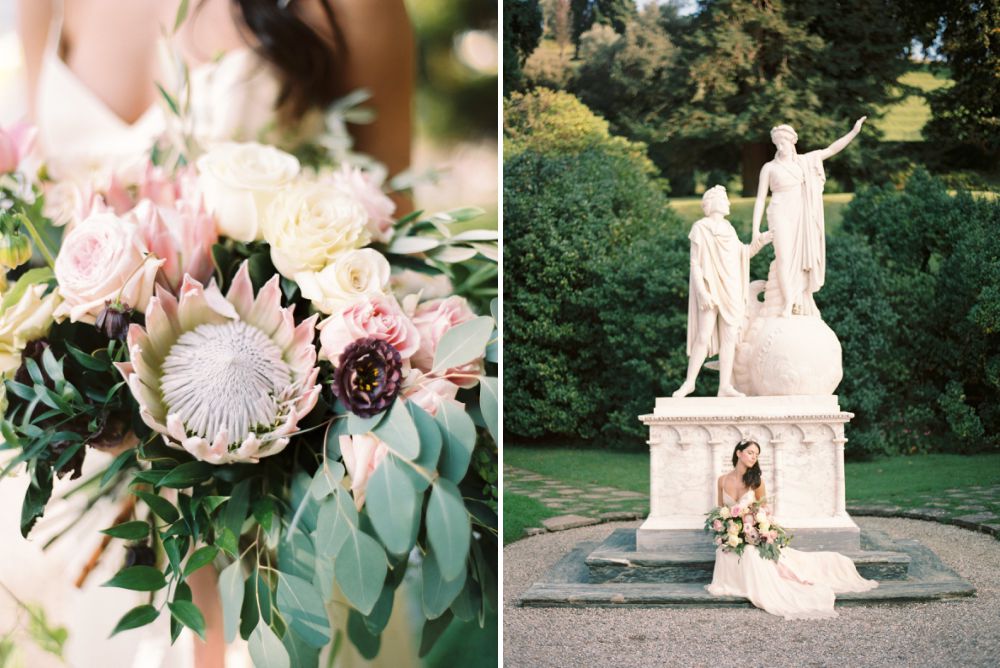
138	578
448	528
377	620
231	588
366	642
412	245
477	235
326	480
399	432
300	654
433	630
266	649
136	617
338	519
137	530
296	554
454	254
303	608
188	614
359	425
338	427
459	440
360	570
468	602
462	343
391	502
438	593
430	446
487	250
489	404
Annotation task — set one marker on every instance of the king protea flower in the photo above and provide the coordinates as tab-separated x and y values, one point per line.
226	378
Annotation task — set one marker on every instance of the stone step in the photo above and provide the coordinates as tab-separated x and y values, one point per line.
617	560
567	584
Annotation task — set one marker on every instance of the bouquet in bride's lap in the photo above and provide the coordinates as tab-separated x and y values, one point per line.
734	528
288	381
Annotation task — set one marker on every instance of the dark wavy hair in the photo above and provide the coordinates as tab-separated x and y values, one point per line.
752	477
308	64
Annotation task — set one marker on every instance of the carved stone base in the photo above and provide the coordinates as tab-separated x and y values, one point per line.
802	457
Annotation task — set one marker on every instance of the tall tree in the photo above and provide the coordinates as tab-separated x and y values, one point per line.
522	31
615	13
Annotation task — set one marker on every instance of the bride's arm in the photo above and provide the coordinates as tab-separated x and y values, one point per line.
33	19
718	491
761	493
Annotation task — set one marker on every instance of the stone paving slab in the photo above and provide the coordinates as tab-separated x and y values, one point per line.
564	522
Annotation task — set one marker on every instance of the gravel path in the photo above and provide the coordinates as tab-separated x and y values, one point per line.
959	633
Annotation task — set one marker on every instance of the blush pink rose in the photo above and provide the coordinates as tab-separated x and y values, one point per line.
379	316
362	454
717	525
736	511
182	235
433	319
15	143
430	392
748	520
363	188
104	259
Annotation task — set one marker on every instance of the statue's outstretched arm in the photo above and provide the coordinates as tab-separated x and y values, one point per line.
839	145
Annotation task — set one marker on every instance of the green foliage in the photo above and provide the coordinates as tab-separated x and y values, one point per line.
522	31
595	288
556	123
938	256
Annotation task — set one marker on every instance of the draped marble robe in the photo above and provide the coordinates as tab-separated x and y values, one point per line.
724	262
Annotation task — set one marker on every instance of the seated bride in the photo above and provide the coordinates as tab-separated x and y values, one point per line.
799	585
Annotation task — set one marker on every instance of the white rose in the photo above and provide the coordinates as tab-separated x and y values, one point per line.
352	276
27	319
733	528
309	224
761	517
764	526
239	181
724	513
734	540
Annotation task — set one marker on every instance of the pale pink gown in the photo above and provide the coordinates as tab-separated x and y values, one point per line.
780	587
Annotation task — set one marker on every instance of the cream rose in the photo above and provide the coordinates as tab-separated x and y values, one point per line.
104	259
761	516
239	182
724	513
352	276
309	224
734	540
27	319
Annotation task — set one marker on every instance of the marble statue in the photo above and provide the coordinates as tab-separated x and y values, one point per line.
795	216
717	300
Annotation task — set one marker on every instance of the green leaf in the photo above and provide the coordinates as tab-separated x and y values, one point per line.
126	458
433	630
359	425
296	554
338	427
231	587
326	480
459	440
462	344
392	506
489	404
182	12
188	614
35	498
171	102
430	446
466	605
52	367
27	279
399	431
303	608
494	306
377	620
300	654
138	578
136	617
137	530
338	519
360	570
448	528
438	593
235	512
212	503
87	361
266	649
187	475
173	548
364	640
227	542
200	558
263	512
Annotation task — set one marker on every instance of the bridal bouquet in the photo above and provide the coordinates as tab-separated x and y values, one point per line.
295	386
734	528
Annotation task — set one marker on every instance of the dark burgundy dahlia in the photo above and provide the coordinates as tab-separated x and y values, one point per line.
368	376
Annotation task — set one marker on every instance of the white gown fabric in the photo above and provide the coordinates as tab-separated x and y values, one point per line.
781	588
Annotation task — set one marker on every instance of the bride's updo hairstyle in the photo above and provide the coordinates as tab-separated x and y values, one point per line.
752	477
307	61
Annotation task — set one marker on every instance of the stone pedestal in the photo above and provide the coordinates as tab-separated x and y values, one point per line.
802	458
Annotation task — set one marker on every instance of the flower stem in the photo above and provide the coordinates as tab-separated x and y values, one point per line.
38	240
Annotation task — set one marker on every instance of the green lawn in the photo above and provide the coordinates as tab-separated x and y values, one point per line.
904	120
521	512
689	209
895	479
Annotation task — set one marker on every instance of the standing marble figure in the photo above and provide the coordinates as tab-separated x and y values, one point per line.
795	216
719	287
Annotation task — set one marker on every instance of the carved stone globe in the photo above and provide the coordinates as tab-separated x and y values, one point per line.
788	356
